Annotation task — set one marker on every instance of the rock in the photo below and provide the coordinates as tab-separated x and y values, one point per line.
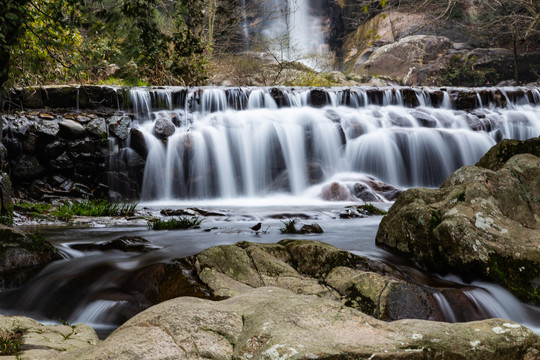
46	116
164	128
119	126
71	130
479	224
124	243
47	341
402	61
62	162
22	256
383	297
318	98
97	128
27	168
6	193
499	154
311	229
273	323
336	192
138	143
47	130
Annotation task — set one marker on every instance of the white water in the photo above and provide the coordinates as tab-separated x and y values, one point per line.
239	143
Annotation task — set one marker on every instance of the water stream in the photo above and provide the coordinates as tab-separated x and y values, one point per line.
259	154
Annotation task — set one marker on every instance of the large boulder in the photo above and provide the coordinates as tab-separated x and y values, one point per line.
404	60
479	224
6	193
273	323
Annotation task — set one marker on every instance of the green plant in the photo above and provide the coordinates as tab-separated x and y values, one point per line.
182	222
39	242
10	342
33	208
460	72
7	220
289	227
94	208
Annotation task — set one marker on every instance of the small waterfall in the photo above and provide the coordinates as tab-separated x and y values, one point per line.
255	142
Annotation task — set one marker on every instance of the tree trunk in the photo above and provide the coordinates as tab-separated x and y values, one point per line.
516	70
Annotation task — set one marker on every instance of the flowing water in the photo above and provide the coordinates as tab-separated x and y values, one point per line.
257	154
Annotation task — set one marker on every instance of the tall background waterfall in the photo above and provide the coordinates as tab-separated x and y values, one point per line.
258	142
292	31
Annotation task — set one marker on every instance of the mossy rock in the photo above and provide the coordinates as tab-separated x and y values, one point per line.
480	224
499	154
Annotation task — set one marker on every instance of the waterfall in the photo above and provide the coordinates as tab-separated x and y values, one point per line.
256	142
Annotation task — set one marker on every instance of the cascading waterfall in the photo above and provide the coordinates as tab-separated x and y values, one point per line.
258	142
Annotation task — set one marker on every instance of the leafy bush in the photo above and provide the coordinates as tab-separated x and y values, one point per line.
94	208
181	223
460	72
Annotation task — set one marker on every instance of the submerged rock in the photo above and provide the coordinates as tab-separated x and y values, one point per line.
273	323
479	224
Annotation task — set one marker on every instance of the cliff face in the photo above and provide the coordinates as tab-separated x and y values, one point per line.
478	41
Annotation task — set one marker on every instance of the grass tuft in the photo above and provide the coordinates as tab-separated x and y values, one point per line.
183	223
34	209
96	208
289	227
10	342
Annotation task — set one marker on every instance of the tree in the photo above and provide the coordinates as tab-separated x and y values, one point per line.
513	23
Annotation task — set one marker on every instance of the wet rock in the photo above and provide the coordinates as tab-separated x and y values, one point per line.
124	243
479	224
311	229
62	162
30	143
364	193
336	192
332	115
97	128
21	256
272	323
424	120
138	143
46	116
52	150
318	98
71	130
20	126
27	168
383	297
315	173
119	126
164	128
47	130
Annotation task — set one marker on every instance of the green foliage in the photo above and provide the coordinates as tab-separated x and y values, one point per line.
460	72
312	79
67	210
34	209
7	219
10	342
182	222
289	227
39	242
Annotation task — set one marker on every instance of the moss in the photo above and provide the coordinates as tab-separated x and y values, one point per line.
517	275
358	301
371	209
